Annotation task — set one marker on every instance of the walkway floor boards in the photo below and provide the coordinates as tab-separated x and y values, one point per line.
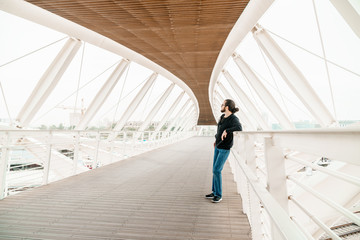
156	195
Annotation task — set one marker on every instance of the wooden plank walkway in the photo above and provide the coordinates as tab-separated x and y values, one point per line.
156	195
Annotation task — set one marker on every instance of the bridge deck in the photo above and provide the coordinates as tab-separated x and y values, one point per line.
156	195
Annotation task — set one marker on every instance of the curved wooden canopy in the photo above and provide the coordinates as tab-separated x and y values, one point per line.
183	36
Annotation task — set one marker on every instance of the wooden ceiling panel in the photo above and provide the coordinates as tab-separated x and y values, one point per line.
183	36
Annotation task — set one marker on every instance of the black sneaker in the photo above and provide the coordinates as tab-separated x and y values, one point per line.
216	199
210	196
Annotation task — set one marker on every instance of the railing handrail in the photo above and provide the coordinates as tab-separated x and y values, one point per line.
302	148
281	219
348	151
305	131
83	146
69	131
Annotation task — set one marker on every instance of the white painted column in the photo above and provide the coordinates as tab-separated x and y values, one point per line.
103	94
276	178
246	101
177	116
254	203
133	106
263	93
76	152
293	77
48	82
47	161
4	165
96	155
156	108
241	115
169	112
349	13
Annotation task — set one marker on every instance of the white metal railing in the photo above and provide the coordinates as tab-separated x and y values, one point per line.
31	158
287	191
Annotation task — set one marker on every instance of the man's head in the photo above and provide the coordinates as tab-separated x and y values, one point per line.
229	105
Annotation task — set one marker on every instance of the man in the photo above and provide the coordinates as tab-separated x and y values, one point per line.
227	124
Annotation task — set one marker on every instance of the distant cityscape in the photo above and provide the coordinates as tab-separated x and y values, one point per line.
133	125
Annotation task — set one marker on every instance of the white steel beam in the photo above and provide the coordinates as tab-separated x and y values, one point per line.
133	106
191	124
263	93
187	124
247	20
187	117
103	94
172	123
156	108
293	77
217	106
349	13
220	95
48	82
243	117
183	119
218	99
246	101
217	102
168	113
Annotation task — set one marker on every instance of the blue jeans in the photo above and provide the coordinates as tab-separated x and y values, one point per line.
220	156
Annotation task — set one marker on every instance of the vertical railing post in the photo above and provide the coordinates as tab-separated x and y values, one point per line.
124	144
76	152
48	159
276	178
95	161
4	165
254	203
112	149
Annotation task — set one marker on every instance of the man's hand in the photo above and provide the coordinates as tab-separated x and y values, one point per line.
223	135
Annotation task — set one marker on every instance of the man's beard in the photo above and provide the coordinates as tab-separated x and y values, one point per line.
222	110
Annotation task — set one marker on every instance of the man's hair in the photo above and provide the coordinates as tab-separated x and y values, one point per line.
231	105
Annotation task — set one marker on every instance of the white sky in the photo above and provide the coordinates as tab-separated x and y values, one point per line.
297	24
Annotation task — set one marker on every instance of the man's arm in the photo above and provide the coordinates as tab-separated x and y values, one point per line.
236	126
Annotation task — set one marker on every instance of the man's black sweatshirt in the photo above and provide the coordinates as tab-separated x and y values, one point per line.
230	124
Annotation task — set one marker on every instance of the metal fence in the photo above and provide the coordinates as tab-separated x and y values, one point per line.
34	158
